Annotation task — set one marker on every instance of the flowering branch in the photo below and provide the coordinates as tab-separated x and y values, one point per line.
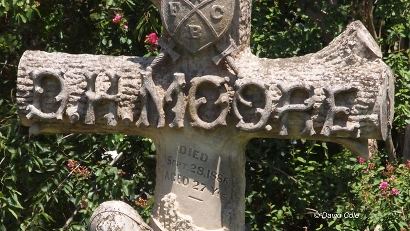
71	218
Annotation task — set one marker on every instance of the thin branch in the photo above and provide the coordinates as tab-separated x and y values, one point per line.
316	15
157	3
67	136
6	64
55	190
277	169
312	210
2	120
70	219
115	160
380	28
363	10
406	147
13	99
66	178
286	174
391	151
1	162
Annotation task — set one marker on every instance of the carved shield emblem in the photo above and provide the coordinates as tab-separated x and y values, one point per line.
196	24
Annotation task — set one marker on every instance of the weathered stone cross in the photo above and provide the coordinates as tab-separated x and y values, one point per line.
203	98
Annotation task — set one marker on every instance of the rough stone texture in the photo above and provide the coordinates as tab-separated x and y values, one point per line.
169	217
203	99
118	216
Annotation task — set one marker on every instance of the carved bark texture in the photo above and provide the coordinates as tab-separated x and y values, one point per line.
93	95
342	91
348	76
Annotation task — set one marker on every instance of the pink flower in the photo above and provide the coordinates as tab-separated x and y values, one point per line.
361	160
394	192
152	39
125	26
383	185
117	18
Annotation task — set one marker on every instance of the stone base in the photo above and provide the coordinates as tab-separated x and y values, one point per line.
117	215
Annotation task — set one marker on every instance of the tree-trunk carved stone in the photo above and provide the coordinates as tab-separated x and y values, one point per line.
204	97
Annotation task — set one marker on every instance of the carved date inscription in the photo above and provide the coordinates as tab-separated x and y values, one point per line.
203	179
198	172
194	184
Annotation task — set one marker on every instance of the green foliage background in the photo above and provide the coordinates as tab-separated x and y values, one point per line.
287	181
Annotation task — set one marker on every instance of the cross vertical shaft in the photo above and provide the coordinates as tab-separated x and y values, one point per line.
200	180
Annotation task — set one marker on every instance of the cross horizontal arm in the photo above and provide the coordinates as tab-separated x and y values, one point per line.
340	93
58	92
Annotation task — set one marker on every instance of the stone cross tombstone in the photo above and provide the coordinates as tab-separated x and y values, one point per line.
201	101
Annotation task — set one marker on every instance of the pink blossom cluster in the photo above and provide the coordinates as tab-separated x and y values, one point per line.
361	160
118	19
384	186
152	39
394	192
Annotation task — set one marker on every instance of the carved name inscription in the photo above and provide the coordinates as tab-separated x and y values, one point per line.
59	102
295	100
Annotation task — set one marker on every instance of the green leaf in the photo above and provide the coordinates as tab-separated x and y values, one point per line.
300	159
13	213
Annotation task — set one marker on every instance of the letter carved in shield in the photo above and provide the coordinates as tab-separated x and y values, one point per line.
196	24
